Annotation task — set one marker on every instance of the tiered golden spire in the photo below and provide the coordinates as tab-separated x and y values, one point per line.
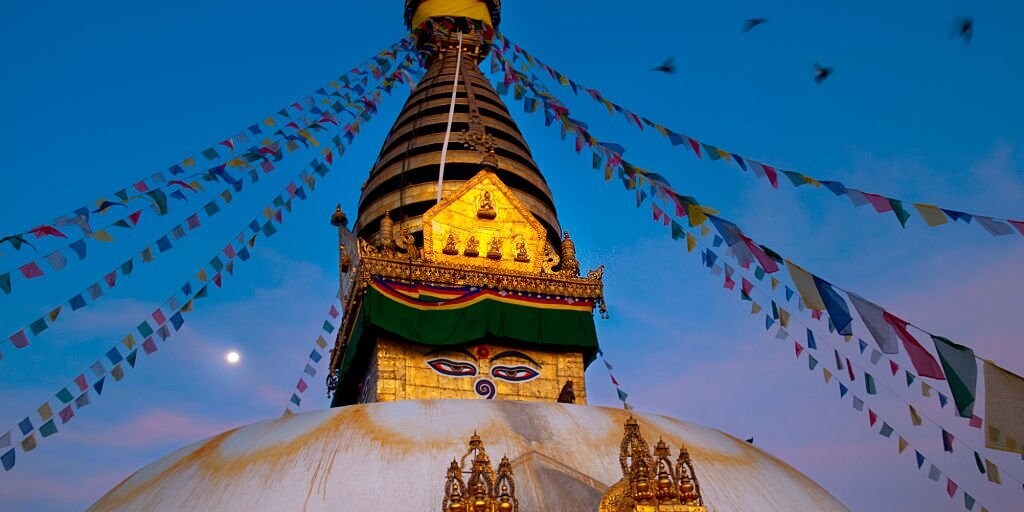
652	482
485	490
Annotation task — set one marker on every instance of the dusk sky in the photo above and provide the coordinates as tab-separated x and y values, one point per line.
99	95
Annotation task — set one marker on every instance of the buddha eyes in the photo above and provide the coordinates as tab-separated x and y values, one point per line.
514	373
452	368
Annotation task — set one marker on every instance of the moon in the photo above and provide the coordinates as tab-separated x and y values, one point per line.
232	357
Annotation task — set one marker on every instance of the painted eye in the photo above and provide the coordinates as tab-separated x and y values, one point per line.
452	368
514	373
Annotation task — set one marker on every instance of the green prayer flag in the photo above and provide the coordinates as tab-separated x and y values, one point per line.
144	329
132	357
65	396
958	363
38	326
677	231
901	213
210	154
211	208
910	378
869	384
48	429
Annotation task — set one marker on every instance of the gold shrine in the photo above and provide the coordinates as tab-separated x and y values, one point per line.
651	482
486	490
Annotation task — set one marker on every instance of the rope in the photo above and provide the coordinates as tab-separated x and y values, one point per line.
451	117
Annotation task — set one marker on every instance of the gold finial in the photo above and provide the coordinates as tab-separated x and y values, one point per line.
386	235
570	266
485	490
651	482
338	218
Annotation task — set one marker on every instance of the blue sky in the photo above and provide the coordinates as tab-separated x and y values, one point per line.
97	96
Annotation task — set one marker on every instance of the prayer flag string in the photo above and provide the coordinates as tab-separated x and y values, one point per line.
888	330
174	179
76	396
97	290
932	215
331	324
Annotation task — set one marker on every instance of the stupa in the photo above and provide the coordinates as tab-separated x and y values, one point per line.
458	374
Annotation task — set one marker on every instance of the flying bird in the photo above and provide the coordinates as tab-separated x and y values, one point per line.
821	73
668	67
963	27
752	23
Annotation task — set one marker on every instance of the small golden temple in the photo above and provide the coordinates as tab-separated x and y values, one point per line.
467	315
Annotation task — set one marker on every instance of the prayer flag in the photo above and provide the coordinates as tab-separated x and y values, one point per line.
805	284
1004	409
947	441
958	363
924	363
915	418
993	473
48	429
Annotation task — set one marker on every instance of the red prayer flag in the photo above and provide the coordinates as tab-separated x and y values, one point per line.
1017	224
849	369
217	279
229	143
149	346
881	204
729	283
746	286
773	175
613	380
816	314
950	487
19	339
278	217
301	386
334	312
141	186
45	230
329	156
66	414
159	318
229	251
923	362
767	263
799	349
134	218
894	367
30	270
975	421
110	279
695	145
872	417
80	382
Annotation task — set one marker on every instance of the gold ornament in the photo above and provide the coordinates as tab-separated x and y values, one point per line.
485	490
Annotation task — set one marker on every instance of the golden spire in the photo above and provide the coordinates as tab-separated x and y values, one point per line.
485	490
651	482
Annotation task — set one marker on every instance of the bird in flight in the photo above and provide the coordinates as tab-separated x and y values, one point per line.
821	73
667	67
752	23
963	27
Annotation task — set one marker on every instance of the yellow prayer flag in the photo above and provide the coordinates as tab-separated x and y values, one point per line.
187	308
696	214
55	313
117	373
691	242
609	106
724	154
270	121
704	231
932	215
304	133
915	418
45	412
805	285
755	308
321	342
926	390
783	317
195	184
102	235
29	443
201	276
828	375
238	162
1004	409
268	212
288	412
188	162
128	342
903	444
775	283
993	473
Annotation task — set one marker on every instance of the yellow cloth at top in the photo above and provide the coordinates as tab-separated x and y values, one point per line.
473	9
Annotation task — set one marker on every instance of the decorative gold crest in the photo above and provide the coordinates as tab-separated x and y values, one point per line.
484	218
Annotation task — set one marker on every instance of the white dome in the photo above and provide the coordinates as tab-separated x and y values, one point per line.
393	456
